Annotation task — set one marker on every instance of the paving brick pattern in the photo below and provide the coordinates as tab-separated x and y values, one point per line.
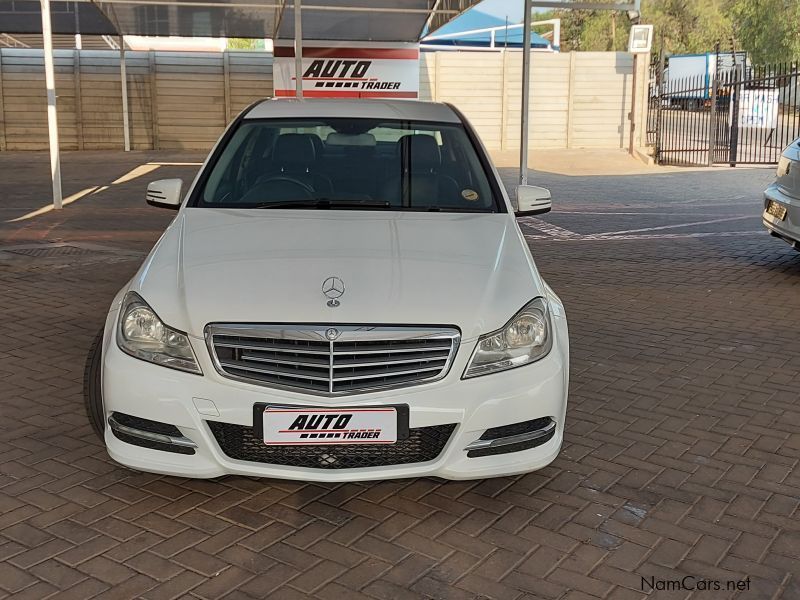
680	459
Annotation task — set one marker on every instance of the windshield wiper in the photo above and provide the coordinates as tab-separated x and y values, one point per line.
325	204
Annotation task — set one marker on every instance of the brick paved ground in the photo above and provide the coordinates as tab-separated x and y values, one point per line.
681	453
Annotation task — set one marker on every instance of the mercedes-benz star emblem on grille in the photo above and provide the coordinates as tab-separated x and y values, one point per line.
333	288
332	333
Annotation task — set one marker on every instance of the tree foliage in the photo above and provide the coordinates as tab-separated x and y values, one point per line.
768	29
688	25
245	44
595	30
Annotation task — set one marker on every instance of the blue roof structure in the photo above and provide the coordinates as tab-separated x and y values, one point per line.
475	19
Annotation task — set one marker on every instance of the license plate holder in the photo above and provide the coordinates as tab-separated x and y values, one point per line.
777	210
401	415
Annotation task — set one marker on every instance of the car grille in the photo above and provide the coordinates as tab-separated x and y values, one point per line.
357	359
423	444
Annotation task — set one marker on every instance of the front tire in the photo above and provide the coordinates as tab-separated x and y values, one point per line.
93	388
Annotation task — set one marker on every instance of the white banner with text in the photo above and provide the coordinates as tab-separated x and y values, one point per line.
335	70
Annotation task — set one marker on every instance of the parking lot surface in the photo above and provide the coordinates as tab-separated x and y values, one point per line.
681	451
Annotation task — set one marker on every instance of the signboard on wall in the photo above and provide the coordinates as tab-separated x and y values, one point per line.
351	70
759	108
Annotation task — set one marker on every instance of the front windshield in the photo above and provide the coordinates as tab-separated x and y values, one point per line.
349	163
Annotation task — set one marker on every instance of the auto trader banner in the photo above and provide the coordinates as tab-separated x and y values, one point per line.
332	70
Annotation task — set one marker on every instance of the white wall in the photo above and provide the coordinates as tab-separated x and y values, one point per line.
578	99
183	100
177	100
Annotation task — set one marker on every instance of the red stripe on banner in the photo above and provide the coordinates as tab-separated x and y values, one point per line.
319	410
387	94
308	52
322	431
345	94
329	443
338	78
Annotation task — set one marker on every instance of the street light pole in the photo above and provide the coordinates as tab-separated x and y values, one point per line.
298	51
52	116
123	77
526	81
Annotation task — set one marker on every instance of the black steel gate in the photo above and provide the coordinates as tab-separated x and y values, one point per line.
745	115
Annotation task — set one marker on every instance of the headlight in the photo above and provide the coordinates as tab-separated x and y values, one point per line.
524	339
143	335
784	166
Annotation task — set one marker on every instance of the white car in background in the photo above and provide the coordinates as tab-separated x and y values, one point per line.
782	198
344	294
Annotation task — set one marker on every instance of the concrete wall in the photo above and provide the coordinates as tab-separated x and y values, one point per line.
176	100
183	100
578	99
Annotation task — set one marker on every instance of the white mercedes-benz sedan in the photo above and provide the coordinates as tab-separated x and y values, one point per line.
344	294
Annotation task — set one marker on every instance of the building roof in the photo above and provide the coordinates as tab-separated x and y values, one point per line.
345	20
407	110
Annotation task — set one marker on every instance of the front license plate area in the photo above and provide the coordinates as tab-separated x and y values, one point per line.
776	210
314	426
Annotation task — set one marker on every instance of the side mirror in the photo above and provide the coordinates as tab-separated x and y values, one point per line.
533	200
165	193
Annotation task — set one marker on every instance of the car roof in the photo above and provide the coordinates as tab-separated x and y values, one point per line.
407	110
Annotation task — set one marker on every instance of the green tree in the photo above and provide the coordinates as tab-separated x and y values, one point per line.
606	30
591	31
769	30
245	44
688	25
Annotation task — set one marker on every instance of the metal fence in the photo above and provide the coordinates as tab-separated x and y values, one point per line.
746	115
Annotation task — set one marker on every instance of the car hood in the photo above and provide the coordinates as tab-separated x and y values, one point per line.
268	266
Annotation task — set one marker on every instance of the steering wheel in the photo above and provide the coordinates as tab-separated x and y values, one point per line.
279	188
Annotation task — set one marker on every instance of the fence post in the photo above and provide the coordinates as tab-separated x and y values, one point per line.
226	76
2	108
504	104
632	114
734	124
123	79
153	99
76	76
436	75
712	113
643	100
570	96
662	63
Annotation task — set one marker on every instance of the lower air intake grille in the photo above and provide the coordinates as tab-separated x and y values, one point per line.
147	424
516	428
152	444
241	443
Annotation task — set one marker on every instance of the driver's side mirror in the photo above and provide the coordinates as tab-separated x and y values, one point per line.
533	200
165	193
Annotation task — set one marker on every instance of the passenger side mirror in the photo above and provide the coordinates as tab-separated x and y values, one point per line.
165	193
533	200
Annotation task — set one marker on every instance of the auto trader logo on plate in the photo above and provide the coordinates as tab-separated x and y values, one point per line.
291	426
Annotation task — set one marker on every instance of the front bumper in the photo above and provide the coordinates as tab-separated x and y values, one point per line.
190	402
787	229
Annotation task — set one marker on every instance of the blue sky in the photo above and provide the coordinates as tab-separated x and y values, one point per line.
513	9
